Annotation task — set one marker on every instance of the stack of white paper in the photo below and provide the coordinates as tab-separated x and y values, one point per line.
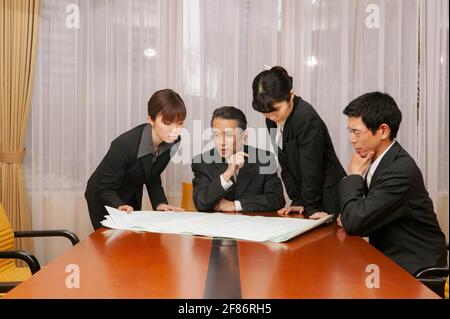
253	228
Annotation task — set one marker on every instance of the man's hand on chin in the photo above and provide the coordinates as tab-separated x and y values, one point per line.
358	164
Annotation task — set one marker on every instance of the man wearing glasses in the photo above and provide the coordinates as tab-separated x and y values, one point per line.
384	197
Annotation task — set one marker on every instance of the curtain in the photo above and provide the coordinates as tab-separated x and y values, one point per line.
98	63
433	104
18	45
93	81
336	53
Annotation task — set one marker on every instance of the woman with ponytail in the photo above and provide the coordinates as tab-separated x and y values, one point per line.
310	168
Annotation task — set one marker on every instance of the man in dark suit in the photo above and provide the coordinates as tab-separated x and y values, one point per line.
384	196
233	176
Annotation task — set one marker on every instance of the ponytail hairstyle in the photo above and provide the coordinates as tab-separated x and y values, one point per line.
269	87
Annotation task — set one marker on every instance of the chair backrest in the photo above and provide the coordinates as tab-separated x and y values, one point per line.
187	203
6	241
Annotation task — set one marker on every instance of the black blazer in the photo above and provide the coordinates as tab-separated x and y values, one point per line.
310	168
396	212
258	187
119	178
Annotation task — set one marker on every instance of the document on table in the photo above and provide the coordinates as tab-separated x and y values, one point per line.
252	228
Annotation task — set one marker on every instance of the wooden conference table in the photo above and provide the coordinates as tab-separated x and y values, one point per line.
323	263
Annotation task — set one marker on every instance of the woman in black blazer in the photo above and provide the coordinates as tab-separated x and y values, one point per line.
138	157
310	168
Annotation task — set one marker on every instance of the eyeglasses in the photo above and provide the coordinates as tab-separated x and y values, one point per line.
356	132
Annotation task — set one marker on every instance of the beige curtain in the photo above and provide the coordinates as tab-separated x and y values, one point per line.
18	37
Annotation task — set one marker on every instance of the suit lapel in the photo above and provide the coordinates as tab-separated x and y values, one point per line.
387	159
219	165
219	168
289	121
147	160
245	174
147	164
244	177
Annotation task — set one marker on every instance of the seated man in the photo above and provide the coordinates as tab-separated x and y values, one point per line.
384	196
233	176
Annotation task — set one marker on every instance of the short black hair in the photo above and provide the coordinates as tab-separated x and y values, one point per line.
376	108
230	113
269	87
169	104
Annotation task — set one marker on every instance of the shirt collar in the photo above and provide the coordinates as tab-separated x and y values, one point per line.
375	164
146	144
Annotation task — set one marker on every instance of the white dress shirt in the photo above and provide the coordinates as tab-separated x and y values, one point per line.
279	136
371	170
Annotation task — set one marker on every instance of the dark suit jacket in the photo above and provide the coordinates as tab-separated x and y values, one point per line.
119	178
396	212
310	168
258	187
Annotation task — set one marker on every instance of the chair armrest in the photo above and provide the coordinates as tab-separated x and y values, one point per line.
434	278
433	272
48	233
26	256
7	286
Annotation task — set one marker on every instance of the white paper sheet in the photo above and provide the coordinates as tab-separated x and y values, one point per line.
244	227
